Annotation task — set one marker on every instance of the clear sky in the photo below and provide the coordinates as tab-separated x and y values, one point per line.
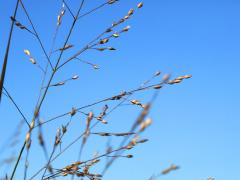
196	123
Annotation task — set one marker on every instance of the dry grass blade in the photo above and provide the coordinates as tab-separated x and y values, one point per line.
4	67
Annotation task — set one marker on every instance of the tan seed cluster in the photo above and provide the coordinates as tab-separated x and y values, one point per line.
179	79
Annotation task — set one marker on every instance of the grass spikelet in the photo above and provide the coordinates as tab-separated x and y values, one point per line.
170	169
140	5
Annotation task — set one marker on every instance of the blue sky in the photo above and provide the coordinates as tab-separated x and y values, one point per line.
196	123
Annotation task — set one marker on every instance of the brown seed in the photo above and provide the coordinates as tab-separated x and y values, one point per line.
157	87
101	49
188	76
128	147
180	78
130	12
73	112
32	60
103	41
64	129
140	5
27	52
171	82
126	29
108	30
177	81
67	46
116	35
111	48
111	1
114	24
126	17
129	156
28	136
136	102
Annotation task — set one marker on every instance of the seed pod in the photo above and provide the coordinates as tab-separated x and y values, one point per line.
145	124
73	112
129	156
126	17
18	24
157	73
140	5
130	12
177	81
28	136
157	87
67	46
180	78
32	124
168	170
101	49
40	139
135	102
108	30
27	52
126	28
112	1
103	41
104	121
114	24
129	147
111	48
75	77
142	141
171	82
59	84
78	163
95	66
64	129
116	35
32	60
188	76
29	144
